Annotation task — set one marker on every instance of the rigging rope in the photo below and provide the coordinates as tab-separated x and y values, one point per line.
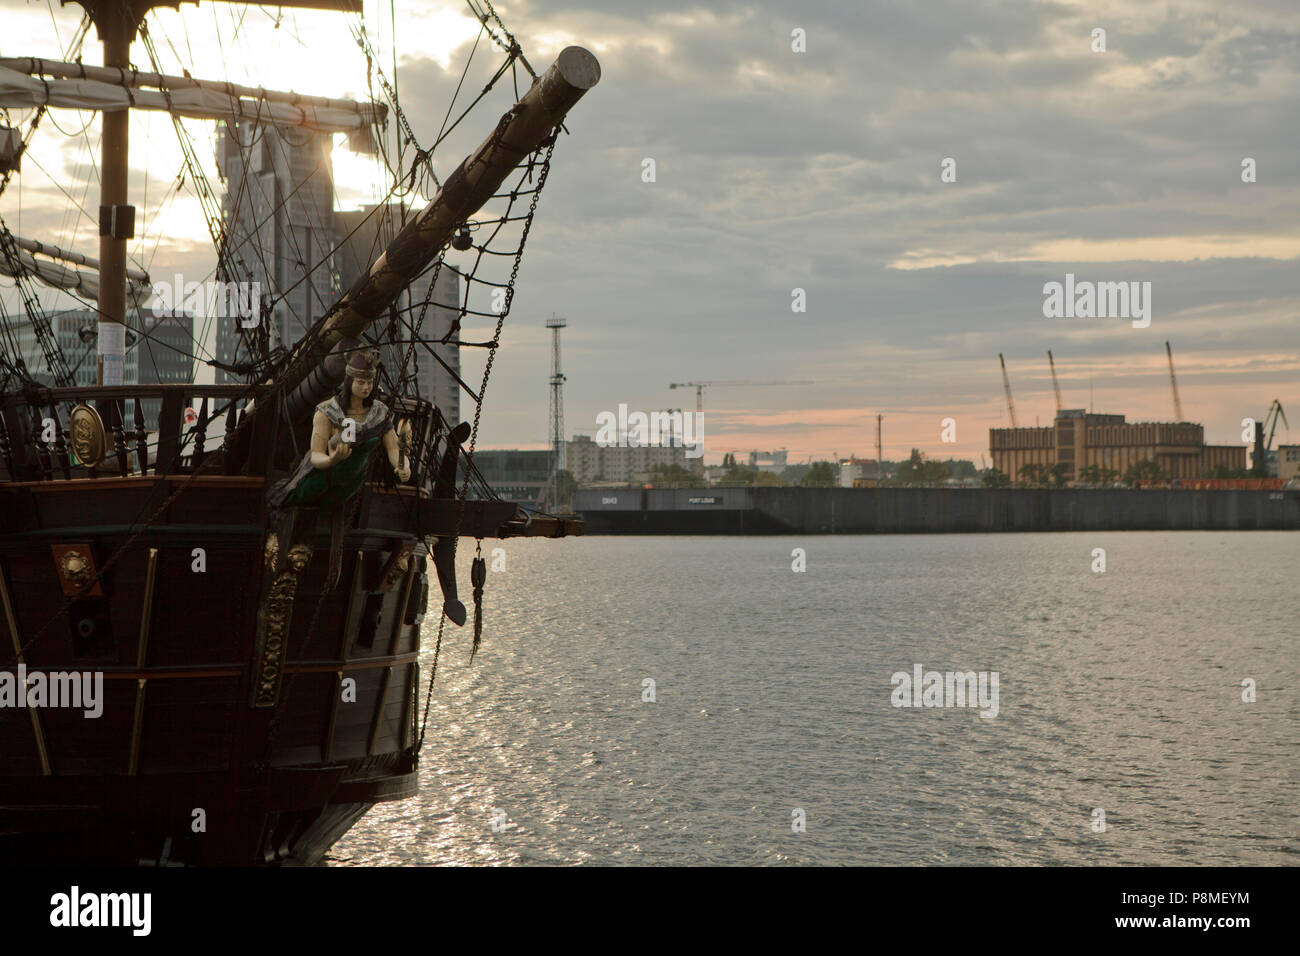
423	157
58	368
478	410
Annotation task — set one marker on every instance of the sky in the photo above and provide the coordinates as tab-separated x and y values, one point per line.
819	170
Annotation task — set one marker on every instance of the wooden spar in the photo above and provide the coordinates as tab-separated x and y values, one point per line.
76	258
132	79
472	184
194	99
58	276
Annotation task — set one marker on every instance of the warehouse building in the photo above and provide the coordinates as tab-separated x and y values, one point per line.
1079	438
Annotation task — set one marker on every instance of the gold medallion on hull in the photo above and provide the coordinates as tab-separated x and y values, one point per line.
86	433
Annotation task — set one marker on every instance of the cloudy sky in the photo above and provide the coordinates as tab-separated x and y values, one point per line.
820	170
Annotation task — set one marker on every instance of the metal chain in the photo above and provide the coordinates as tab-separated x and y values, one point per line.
478	410
38	318
512	47
363	41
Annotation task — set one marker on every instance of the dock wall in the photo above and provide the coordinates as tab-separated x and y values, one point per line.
930	510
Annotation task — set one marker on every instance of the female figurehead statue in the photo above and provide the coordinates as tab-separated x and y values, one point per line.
345	432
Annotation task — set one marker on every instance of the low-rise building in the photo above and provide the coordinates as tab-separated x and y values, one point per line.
855	471
1288	462
516	475
590	461
773	461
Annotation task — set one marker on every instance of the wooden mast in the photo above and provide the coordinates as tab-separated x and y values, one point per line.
117	22
525	128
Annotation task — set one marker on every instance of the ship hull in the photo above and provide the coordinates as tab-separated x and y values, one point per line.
151	824
191	760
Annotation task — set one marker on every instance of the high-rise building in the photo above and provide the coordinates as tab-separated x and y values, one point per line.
164	353
364	234
77	333
159	349
278	210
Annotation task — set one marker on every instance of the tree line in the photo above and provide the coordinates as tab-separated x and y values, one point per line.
1055	476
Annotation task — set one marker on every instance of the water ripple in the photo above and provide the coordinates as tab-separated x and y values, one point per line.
1119	691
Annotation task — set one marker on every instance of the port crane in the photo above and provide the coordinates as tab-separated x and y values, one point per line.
1056	386
1006	384
1173	382
701	386
1270	422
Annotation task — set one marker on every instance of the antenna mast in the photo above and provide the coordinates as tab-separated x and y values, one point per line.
880	454
555	323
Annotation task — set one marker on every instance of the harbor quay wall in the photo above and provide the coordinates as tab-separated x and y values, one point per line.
930	510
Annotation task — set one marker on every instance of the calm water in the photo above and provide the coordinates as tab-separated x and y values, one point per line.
1119	691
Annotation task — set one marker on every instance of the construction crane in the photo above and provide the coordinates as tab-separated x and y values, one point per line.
1006	384
1056	386
1274	413
701	386
1173	382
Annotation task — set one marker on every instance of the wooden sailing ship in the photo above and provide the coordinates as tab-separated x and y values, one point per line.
261	681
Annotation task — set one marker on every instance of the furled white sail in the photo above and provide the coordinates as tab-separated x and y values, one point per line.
182	96
54	252
85	284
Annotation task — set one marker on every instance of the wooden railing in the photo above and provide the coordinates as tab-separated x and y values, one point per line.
179	438
36	442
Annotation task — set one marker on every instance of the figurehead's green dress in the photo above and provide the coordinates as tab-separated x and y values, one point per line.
325	488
